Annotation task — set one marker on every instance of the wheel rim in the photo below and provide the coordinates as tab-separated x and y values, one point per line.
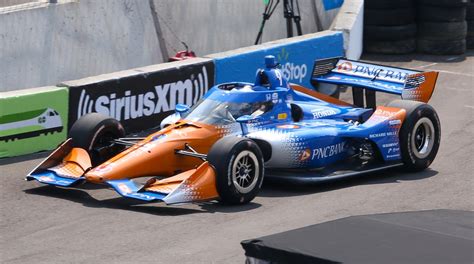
245	171
422	139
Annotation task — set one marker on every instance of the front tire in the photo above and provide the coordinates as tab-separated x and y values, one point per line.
420	134
239	167
94	132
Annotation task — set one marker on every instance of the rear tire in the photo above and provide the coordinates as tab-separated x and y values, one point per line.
441	47
384	33
94	133
390	47
239	167
389	17
420	134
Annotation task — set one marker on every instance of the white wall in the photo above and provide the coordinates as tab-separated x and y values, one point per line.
47	45
210	26
59	42
350	21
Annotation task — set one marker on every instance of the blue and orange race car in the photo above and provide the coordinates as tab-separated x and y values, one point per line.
223	146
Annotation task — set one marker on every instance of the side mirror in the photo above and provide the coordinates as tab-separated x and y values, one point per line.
181	109
243	120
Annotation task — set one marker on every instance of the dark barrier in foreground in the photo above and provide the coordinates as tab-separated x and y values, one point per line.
140	98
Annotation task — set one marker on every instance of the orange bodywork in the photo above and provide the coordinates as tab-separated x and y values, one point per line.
74	164
155	155
193	185
319	95
425	89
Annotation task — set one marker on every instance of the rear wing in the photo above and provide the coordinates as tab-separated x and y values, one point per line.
409	84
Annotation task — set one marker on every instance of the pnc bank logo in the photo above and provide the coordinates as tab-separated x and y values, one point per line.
345	66
162	98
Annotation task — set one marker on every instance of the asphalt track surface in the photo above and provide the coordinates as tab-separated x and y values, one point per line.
41	224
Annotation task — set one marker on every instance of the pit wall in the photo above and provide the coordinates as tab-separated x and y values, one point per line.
350	21
44	44
142	97
296	56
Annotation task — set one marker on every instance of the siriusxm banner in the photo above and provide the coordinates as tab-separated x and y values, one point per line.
142	99
296	58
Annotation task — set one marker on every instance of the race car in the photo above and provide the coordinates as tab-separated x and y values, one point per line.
223	146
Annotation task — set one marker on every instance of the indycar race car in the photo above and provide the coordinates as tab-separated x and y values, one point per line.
222	147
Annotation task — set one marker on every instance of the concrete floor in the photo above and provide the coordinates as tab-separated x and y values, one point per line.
40	224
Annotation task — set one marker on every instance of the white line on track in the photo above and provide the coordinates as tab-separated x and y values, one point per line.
469	106
455	73
427	65
443	71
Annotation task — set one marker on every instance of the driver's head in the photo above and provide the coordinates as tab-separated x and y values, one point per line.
270	62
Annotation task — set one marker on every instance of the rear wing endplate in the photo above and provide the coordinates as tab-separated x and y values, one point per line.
409	84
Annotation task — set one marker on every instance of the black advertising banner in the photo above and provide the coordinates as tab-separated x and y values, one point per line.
141	99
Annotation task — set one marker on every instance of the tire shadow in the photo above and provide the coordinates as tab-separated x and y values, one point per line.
81	196
274	188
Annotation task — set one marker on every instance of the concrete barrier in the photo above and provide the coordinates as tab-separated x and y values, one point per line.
350	21
296	55
56	42
140	98
32	120
44	44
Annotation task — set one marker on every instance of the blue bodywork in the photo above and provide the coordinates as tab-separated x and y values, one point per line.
303	131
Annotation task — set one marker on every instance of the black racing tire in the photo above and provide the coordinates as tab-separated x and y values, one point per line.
441	14
442	30
470	40
470	11
390	47
236	159
470	34
441	47
448	3
389	17
387	4
378	33
94	132
420	134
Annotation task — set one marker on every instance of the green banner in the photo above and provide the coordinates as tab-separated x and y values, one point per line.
32	120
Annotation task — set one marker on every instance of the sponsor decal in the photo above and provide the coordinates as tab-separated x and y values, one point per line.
288	126
389	145
45	179
124	188
306	154
103	168
158	137
139	101
383	134
393	150
275	98
365	70
328	151
345	66
291	71
318	113
384	113
282	116
395	122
